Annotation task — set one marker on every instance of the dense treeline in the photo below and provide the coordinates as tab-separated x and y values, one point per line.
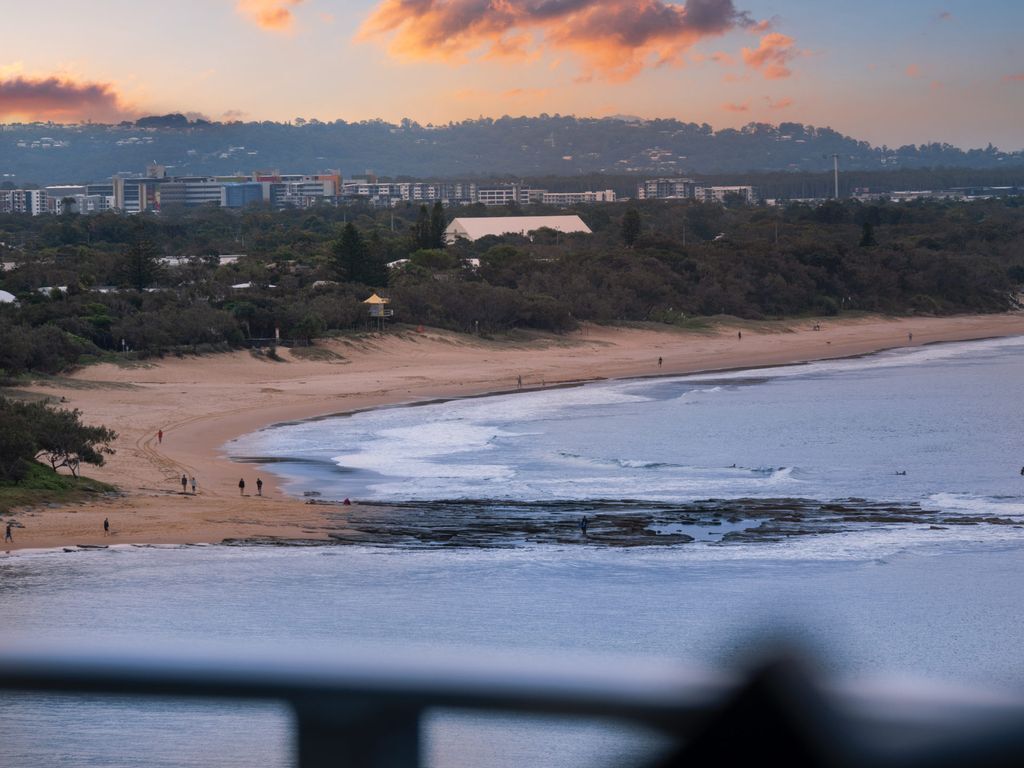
95	286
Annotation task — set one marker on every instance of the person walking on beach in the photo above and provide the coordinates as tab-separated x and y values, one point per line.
910	337
160	436
193	485
106	526
7	534
739	335
659	362
241	487
519	381
259	486
184	484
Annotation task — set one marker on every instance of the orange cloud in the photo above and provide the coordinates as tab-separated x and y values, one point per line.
1014	78
60	99
615	39
772	56
274	15
736	107
913	70
778	103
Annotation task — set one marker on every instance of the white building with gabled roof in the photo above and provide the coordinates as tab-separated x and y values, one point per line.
473	229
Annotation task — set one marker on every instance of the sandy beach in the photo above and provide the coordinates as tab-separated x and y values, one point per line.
202	402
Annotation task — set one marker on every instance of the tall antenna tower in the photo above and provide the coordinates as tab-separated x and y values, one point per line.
835	170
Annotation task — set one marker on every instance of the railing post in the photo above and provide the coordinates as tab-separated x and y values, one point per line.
330	736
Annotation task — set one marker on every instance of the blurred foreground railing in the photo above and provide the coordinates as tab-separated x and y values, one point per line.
362	709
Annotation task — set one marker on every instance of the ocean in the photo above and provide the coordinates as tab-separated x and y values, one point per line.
824	540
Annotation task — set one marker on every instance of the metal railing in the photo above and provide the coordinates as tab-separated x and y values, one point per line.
366	709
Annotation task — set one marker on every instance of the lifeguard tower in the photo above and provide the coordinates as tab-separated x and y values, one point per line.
379	309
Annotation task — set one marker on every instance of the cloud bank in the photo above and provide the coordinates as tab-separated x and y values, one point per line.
273	15
615	39
60	99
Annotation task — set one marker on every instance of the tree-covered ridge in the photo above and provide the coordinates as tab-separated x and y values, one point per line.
522	146
95	286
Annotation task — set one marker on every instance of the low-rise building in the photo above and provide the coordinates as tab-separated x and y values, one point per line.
474	228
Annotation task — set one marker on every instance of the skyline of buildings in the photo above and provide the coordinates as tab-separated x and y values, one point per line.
156	191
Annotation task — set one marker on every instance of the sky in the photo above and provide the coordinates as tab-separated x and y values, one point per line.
886	71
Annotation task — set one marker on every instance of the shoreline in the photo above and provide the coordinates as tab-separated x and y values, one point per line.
585	382
202	403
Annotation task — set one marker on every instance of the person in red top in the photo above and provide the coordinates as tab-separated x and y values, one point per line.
160	436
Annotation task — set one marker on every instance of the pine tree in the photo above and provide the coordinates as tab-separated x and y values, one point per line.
438	224
348	255
867	236
422	233
139	265
631	226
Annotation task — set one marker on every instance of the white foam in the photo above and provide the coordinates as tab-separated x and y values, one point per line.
978	505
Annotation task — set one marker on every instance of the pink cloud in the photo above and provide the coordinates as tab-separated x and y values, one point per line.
615	39
1017	77
772	56
61	98
783	103
736	107
913	70
273	15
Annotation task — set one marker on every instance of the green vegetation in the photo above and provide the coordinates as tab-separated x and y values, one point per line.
31	433
41	485
35	432
106	294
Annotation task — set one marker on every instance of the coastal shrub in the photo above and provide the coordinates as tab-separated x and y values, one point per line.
35	431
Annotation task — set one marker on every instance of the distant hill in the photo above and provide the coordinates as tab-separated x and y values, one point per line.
524	146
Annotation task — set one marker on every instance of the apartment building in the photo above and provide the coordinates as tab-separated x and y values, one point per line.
669	189
746	193
31	201
574	198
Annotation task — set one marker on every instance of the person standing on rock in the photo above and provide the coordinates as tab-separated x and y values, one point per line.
259	486
184	484
241	487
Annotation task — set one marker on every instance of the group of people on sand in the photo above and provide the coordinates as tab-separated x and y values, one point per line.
186	480
259	486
